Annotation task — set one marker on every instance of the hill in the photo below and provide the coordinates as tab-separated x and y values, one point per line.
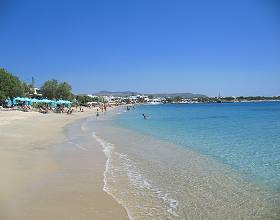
129	93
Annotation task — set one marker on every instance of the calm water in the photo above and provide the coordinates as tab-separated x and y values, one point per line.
245	136
199	161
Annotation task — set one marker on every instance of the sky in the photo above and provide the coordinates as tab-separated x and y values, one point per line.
149	46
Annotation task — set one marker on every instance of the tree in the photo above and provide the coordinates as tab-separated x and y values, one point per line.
10	85
63	91
28	89
49	88
84	99
54	90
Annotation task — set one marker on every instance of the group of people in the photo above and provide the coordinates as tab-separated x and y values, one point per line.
45	108
128	108
102	108
41	108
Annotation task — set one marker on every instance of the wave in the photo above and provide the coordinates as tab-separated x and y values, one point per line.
108	149
135	179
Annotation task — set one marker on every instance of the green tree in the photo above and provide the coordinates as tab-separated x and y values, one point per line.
84	99
10	85
49	88
63	91
28	89
52	89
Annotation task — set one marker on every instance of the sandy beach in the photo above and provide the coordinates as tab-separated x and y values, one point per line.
40	182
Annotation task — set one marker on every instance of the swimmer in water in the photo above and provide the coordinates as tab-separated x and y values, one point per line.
144	116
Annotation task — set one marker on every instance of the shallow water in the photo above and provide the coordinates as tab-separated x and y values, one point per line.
245	136
154	177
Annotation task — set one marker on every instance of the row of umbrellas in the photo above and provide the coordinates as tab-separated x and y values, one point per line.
30	101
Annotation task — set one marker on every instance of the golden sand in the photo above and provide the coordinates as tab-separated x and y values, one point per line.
35	184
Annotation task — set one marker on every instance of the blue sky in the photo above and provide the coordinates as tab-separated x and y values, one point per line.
232	47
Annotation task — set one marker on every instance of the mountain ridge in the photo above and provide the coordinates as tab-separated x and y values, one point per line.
129	93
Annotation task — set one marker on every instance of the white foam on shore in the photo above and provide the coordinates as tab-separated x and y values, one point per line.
108	149
139	181
135	178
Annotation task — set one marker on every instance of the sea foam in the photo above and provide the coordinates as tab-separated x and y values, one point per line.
135	178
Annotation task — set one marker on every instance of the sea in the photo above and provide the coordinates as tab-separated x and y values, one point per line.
192	161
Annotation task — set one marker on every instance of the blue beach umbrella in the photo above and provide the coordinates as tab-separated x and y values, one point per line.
53	103
18	99
27	101
9	102
64	102
15	100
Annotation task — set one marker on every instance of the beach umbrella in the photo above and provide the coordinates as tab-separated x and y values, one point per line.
59	102
39	101
64	102
20	99
53	103
15	100
9	102
27	101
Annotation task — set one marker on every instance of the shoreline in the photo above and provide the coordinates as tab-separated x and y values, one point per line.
34	183
105	187
94	169
142	164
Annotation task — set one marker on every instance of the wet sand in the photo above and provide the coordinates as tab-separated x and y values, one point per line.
40	180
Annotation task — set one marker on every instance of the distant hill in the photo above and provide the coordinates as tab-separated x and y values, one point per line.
121	94
184	95
129	93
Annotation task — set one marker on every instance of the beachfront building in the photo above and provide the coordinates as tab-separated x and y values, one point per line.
36	93
93	96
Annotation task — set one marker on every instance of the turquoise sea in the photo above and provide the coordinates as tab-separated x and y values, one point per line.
190	161
245	136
